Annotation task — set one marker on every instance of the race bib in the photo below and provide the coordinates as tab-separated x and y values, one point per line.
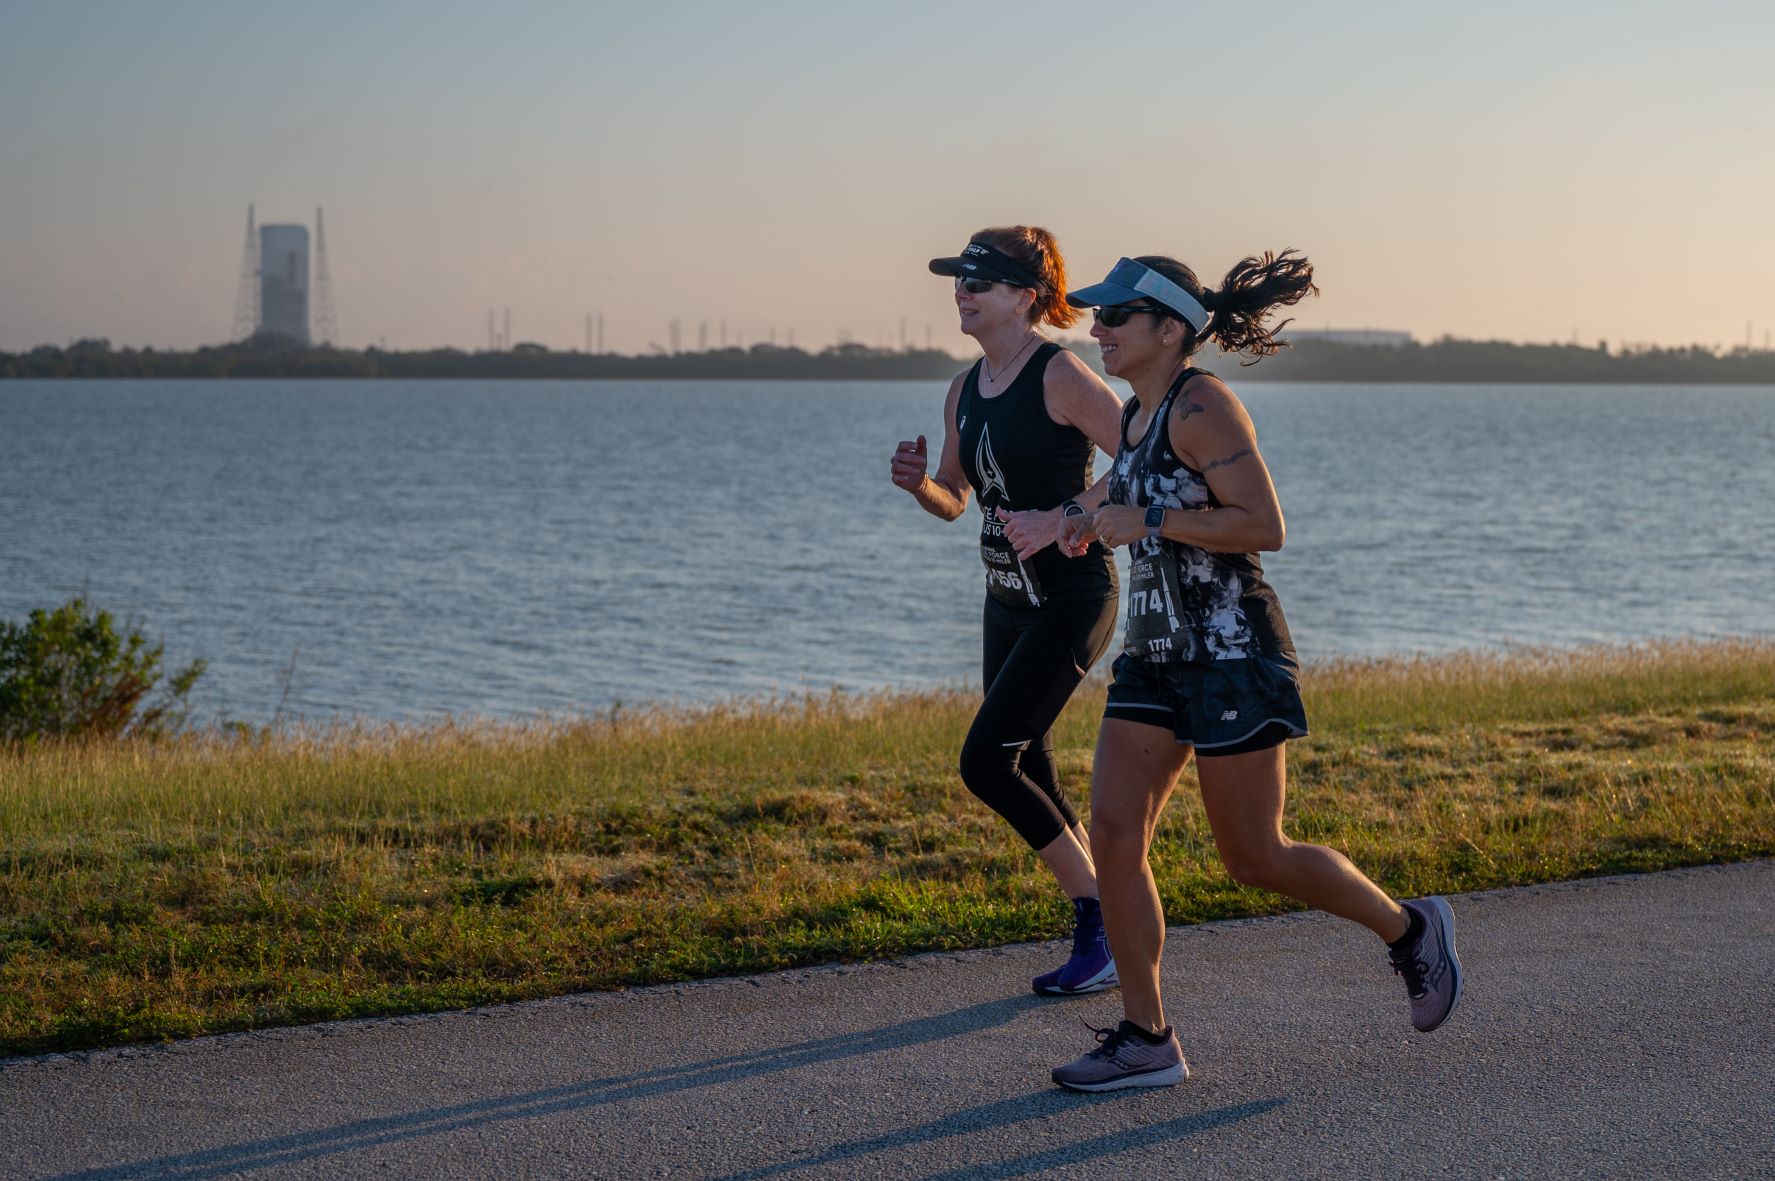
1156	630
1007	579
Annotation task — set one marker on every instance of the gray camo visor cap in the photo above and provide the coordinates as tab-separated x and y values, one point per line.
1129	282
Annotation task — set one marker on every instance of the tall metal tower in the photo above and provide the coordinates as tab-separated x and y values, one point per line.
326	325
246	295
285	283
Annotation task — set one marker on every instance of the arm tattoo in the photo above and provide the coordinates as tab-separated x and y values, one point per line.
1188	408
1235	457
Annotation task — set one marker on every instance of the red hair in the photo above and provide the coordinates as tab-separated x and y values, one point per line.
1037	250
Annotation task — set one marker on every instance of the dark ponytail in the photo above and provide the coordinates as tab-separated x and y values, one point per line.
1250	292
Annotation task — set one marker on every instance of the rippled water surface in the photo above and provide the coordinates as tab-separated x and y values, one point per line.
417	548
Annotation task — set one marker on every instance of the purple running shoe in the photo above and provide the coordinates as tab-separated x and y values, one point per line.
1123	1058
1430	967
1091	968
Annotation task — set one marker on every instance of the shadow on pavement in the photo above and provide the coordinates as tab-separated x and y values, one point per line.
369	1133
1024	1108
1103	1146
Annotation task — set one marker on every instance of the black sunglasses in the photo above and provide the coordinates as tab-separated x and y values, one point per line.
1115	315
981	286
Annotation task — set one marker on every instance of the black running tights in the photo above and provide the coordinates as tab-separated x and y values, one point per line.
1034	658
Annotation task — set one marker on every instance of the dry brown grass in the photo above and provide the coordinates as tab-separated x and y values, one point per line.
219	882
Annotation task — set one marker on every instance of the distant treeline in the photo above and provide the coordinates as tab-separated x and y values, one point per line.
1492	361
96	358
1310	360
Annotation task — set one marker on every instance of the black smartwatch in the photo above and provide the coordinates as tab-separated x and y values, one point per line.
1071	508
1155	520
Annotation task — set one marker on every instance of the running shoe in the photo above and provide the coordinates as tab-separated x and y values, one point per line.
1091	968
1430	967
1123	1058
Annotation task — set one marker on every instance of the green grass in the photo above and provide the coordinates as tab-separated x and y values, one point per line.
154	891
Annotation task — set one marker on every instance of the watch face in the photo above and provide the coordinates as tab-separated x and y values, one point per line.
1155	516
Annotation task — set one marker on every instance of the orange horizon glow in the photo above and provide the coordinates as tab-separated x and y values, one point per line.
1555	173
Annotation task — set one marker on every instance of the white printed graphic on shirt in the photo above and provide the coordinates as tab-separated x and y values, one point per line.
1006	576
990	475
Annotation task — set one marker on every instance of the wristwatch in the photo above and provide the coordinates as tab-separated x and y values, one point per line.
1155	520
1071	508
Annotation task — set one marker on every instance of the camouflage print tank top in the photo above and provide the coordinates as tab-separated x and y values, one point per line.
1186	603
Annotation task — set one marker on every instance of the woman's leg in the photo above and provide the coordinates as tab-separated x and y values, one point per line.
1244	796
1067	856
1086	632
1135	771
1072	848
1070	863
1031	666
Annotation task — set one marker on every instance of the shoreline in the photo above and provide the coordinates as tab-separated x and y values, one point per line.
766	701
158	891
1443	361
739	379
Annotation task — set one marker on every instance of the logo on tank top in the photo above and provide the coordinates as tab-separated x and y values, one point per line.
990	475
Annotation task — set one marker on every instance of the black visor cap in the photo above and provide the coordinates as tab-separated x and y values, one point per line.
980	261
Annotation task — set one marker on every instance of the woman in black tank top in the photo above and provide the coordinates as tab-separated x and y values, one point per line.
1021	427
1207	664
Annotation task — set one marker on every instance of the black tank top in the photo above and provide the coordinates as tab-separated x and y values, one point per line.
1016	457
1186	603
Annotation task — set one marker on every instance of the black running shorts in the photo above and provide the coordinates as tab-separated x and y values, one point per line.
1221	707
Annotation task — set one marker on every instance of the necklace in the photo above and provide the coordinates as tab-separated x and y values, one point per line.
987	366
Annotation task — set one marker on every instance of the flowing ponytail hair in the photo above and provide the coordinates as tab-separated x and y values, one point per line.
1254	288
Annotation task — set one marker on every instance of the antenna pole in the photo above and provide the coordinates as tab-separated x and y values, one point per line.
246	294
326	324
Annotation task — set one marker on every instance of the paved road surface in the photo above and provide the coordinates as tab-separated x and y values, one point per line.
1613	1028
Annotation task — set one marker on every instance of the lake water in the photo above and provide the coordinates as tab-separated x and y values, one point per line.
411	549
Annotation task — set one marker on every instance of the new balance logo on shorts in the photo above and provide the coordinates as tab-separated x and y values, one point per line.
1231	715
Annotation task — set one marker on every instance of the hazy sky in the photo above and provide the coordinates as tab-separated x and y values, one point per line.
1500	170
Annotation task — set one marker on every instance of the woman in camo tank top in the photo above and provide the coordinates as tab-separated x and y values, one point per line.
1207	665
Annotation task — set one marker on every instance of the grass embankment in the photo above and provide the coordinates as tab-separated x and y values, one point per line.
157	891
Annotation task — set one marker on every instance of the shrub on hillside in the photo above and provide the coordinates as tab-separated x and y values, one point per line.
68	673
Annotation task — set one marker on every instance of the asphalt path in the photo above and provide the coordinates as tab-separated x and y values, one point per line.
1612	1028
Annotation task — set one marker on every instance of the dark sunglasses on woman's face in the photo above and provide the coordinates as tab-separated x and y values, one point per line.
982	286
1116	315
